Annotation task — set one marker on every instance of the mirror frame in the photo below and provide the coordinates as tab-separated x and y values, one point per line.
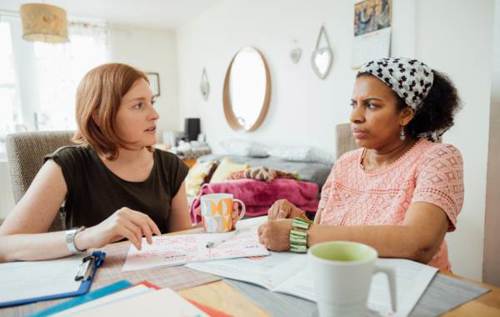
231	118
317	50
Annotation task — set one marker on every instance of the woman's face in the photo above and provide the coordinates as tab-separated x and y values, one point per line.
136	117
375	119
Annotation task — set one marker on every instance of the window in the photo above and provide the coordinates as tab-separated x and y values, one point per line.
38	81
60	69
8	97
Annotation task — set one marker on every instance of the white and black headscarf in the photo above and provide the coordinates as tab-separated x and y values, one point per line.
409	78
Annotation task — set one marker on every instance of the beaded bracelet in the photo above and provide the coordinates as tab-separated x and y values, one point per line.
298	234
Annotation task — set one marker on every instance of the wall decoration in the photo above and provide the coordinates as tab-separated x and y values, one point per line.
372	31
204	85
295	53
322	56
154	83
247	90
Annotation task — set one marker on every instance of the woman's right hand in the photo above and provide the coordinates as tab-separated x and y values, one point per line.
283	209
123	223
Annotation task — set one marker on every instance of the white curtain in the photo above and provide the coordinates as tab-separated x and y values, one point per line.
59	69
9	101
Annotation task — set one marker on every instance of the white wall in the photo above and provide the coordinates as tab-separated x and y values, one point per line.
304	109
463	49
302	106
451	36
491	266
151	51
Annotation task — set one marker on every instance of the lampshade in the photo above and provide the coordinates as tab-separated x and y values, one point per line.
44	23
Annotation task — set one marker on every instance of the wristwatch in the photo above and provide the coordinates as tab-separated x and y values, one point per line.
298	234
69	237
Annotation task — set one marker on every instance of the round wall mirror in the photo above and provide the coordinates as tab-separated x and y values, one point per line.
247	90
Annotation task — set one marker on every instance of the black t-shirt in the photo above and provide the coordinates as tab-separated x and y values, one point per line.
94	192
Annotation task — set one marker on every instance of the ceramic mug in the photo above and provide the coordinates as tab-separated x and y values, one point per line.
217	212
342	273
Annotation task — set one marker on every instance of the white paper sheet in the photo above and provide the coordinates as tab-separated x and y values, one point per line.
288	273
163	302
181	249
121	295
23	280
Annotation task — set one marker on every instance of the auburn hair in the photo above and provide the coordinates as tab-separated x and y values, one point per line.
98	99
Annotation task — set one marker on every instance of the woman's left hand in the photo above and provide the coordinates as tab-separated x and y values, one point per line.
275	234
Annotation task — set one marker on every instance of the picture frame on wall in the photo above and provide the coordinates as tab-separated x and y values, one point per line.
372	31
154	83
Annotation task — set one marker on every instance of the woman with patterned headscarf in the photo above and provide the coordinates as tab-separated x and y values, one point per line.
403	189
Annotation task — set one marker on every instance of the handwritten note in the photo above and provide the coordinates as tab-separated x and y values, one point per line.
187	248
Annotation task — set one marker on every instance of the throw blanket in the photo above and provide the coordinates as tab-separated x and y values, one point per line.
258	196
262	173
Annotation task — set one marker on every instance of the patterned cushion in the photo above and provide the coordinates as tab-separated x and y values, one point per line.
198	175
225	169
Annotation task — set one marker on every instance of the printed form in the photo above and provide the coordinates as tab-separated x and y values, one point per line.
187	248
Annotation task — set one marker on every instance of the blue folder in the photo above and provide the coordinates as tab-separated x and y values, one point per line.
86	275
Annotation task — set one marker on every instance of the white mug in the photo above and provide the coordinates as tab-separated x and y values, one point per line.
342	273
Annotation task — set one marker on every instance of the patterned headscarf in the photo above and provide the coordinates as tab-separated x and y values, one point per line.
409	78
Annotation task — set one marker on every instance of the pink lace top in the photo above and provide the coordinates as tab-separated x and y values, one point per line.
428	172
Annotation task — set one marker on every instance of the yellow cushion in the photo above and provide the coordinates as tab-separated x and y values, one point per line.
224	170
195	177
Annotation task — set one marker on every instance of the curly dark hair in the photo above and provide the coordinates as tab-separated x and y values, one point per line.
435	116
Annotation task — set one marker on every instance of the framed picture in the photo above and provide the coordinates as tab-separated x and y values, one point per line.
154	82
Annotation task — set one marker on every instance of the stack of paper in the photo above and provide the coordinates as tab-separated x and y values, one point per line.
133	301
288	273
124	299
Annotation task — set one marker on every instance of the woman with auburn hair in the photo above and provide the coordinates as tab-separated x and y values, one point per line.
114	184
401	191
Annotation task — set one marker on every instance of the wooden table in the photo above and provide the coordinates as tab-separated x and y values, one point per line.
224	297
486	305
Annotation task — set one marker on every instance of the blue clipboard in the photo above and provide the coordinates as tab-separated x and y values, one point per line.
86	274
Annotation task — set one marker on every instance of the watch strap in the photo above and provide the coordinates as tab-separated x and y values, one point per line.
69	238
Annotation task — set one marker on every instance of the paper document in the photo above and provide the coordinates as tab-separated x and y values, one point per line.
288	273
121	295
186	248
32	279
163	302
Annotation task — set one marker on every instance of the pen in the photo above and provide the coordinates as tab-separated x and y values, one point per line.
213	244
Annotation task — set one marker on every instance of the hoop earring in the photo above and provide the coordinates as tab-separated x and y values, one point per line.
402	135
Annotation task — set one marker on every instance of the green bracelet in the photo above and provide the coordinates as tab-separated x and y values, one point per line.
298	234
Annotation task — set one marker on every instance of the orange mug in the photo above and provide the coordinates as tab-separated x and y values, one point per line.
217	212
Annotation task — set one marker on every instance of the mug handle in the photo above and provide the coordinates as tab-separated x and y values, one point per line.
243	208
391	277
